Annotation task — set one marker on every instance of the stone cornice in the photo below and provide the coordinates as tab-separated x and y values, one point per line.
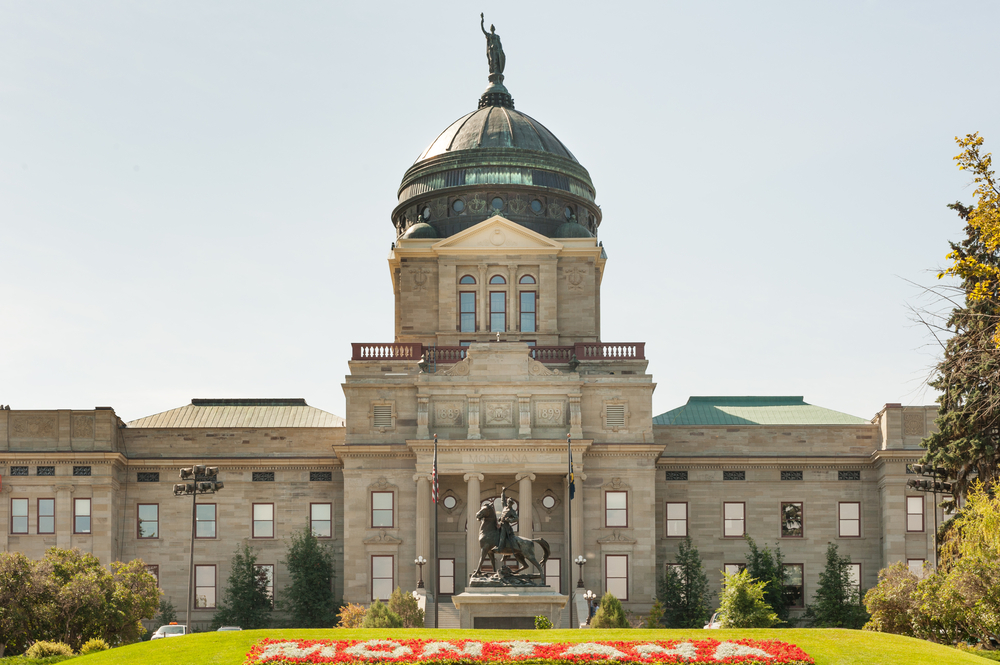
368	450
16	458
770	462
426	446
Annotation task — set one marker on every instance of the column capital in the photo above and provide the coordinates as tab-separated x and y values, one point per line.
528	475
417	477
478	476
65	488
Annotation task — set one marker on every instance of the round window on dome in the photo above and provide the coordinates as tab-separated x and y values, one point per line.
497	203
450	502
568	212
536	206
426	212
548	501
458	205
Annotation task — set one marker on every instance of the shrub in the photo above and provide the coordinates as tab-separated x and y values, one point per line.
891	601
43	649
655	615
351	615
380	616
405	606
610	614
542	623
743	605
168	613
93	646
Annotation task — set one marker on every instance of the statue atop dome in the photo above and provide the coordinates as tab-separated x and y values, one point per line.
494	51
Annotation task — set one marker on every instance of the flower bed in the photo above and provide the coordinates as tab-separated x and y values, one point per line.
454	652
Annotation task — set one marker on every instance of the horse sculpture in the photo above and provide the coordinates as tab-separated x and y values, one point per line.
522	549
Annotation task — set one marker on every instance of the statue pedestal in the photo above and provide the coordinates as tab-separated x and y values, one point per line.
508	607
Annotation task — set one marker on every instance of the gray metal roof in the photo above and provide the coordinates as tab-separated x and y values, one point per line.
255	413
495	127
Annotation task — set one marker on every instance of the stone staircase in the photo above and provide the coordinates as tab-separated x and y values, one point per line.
448	616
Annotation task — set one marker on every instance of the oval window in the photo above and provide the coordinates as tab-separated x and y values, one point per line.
497	203
426	212
450	502
527	279
548	501
467	279
568	212
497	279
458	205
536	206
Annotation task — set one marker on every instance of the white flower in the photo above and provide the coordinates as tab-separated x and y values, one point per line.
592	649
730	649
376	649
293	650
473	649
686	650
519	648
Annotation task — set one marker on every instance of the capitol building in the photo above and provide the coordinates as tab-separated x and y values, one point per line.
496	269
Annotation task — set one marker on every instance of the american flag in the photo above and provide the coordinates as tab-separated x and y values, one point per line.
434	472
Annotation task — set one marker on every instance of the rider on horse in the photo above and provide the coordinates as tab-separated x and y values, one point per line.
508	517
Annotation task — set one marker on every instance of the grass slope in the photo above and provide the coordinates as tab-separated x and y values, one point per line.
826	646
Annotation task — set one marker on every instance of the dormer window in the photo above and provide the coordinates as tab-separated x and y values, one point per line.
467	279
497	279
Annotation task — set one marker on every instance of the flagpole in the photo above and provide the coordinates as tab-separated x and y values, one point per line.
434	499
569	515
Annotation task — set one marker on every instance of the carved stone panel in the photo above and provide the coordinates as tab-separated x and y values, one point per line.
33	426
913	424
449	414
83	427
498	414
550	414
574	277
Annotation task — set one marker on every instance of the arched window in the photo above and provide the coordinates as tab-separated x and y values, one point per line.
467	279
527	279
497	279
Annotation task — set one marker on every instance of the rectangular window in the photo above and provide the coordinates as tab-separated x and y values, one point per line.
791	519
204	587
268	569
616	509
854	573
263	520
382	509
46	516
148	520
81	515
914	513
677	520
321	519
467	312
205	521
793	584
498	311
19	516
155	572
553	574
382	580
734	568
916	567
616	575
527	311
446	577
850	519
734	518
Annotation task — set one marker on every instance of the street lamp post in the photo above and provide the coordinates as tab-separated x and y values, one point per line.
589	596
420	561
198	479
580	561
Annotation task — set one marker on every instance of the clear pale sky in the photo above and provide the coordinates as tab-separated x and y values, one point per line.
195	196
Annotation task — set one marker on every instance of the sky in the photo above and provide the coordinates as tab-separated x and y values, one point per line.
195	196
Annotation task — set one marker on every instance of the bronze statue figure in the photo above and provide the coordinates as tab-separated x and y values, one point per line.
494	50
523	550
508	518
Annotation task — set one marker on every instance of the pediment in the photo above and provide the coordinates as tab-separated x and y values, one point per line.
497	233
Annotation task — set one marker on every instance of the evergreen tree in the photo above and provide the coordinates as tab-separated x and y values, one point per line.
968	375
767	566
610	614
684	591
309	598
380	616
743	605
837	602
245	602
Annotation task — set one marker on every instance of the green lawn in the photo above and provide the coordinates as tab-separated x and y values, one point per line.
827	647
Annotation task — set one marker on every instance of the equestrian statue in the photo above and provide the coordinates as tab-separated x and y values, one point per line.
496	536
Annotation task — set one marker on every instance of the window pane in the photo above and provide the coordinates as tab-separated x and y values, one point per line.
148	511
148	521
553	574
916	567
793	574
263	529
321	511
47	507
382	500
617	518
616	500
850	528
527	279
676	528
734	568
617	566
83	507
791	520
734	528
46	524
914	523
498	322
734	511
676	511
854	571
618	587
497	279
467	279
322	529
381	566
19	516
205	525
204	575
381	589
382	518
263	512
850	511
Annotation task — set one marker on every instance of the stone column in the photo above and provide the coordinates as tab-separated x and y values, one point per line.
472	532
64	516
422	420
575	417
524	408
423	539
513	303
484	305
525	504
474	418
5	515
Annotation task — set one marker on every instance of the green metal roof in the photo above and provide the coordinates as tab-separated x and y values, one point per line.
753	411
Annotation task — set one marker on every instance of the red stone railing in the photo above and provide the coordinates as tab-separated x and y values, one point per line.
584	352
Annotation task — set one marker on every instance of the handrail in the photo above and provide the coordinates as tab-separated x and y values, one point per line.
583	351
